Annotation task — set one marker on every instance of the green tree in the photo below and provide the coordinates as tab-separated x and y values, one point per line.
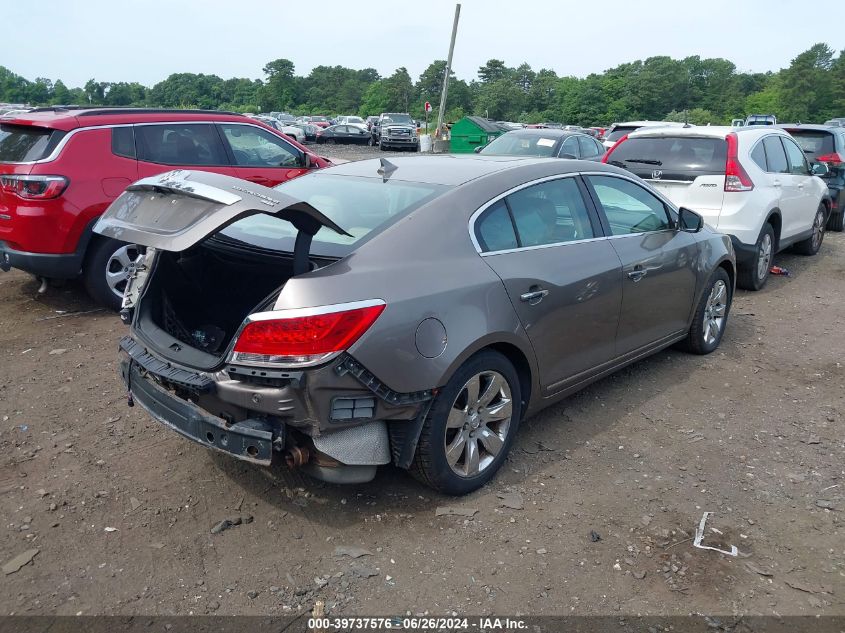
494	70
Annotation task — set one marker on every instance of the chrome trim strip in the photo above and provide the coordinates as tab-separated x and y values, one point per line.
178	181
540	246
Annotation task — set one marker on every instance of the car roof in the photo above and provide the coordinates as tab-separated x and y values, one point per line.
545	132
69	118
647	123
703	131
452	170
803	126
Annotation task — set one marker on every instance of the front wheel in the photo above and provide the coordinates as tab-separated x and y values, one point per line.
470	427
812	244
107	268
711	315
755	274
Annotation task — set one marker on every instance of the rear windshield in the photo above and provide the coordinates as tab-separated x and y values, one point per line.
24	143
361	206
619	131
814	143
677	158
516	144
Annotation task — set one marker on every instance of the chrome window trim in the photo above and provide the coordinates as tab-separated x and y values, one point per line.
541	246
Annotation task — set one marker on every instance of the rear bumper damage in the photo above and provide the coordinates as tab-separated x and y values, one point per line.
338	422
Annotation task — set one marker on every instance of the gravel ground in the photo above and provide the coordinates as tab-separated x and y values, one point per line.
593	513
356	152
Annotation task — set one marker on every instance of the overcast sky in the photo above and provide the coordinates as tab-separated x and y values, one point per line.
147	40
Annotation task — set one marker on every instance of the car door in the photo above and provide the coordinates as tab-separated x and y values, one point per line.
562	275
358	135
260	156
805	201
658	262
789	197
162	146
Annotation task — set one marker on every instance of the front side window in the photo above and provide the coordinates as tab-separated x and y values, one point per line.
795	158
550	213
629	208
255	147
775	156
180	144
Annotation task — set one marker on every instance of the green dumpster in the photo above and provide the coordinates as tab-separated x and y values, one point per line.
471	132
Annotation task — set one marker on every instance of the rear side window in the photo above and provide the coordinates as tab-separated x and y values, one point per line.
25	143
814	143
494	229
180	144
678	158
123	142
758	155
589	147
775	156
550	213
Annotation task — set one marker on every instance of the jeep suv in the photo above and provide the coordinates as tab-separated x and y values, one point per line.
754	184
396	130
60	168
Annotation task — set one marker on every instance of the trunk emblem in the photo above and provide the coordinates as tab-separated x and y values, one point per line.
657	174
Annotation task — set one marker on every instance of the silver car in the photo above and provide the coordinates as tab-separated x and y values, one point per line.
410	311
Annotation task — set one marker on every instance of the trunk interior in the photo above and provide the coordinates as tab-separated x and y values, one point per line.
201	296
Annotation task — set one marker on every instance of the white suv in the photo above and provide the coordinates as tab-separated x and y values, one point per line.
754	184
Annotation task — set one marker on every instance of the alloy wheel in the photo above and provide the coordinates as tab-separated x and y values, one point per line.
478	423
818	229
764	256
715	312
121	264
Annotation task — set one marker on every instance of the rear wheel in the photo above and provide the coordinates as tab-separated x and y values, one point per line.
812	244
107	268
755	274
711	315
470	427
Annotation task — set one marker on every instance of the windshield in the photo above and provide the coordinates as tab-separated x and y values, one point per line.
520	144
814	143
24	143
679	158
360	206
354	119
403	119
619	131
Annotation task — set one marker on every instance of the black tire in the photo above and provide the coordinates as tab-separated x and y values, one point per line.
417	147
812	244
330	141
702	339
382	146
430	465
835	222
371	142
749	275
97	261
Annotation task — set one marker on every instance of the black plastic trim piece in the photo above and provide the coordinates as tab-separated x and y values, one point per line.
164	370
348	365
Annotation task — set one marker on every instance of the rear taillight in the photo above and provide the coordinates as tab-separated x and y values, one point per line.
736	178
34	187
610	151
831	159
297	338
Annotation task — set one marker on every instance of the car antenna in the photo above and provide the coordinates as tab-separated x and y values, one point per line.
386	170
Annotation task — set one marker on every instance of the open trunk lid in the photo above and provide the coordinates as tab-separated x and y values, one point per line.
178	209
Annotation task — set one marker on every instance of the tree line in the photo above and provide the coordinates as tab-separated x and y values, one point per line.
702	91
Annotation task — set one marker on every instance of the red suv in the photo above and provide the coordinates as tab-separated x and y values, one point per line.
60	168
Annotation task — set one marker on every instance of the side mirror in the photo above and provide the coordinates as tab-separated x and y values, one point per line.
820	169
307	163
689	220
478	149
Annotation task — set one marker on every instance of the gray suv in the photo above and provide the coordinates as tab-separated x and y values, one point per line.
410	311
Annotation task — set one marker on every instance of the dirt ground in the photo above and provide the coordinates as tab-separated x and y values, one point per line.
121	509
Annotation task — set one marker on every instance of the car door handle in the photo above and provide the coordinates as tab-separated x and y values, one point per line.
776	183
533	297
637	274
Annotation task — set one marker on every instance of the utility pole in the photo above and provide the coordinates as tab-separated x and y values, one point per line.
443	94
